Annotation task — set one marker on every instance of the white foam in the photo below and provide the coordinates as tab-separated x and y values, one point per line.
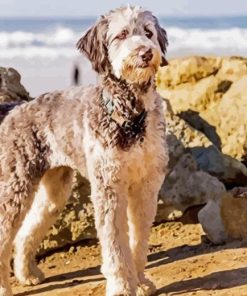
22	38
60	42
230	39
37	52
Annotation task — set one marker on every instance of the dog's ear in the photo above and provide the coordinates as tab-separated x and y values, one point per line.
163	41
93	45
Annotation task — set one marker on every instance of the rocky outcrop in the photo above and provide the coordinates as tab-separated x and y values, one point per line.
12	92
198	171
11	89
187	186
211	95
208	97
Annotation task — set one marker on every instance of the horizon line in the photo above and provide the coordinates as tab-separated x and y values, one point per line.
96	16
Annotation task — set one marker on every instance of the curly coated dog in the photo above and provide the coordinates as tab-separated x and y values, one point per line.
113	134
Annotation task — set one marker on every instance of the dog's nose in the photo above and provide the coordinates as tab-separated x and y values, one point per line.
146	55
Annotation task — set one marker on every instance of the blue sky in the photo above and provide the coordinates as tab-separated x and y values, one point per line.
77	8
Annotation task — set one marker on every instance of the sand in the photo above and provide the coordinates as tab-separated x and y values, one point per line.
181	261
41	75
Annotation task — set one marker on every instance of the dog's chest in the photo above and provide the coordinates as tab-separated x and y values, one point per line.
148	157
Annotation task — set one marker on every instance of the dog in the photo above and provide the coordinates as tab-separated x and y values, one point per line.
113	134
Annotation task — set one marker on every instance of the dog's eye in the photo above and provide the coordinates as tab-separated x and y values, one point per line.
123	35
148	33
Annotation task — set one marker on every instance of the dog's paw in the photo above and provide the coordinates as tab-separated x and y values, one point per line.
119	290
146	288
123	294
33	279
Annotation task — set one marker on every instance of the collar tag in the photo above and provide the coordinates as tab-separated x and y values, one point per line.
108	102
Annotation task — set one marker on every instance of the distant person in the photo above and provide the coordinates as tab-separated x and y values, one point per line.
76	75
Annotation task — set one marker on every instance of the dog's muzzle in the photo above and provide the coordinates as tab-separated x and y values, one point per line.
145	56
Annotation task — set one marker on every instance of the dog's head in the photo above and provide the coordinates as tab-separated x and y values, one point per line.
127	42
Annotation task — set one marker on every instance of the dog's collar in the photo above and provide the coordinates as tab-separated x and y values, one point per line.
138	119
125	115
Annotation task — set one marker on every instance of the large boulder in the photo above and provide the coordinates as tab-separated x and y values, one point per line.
11	89
187	183
208	96
211	95
12	92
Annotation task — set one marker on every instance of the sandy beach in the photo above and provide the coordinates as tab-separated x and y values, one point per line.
181	263
41	75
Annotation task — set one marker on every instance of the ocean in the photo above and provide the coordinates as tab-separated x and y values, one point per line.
43	50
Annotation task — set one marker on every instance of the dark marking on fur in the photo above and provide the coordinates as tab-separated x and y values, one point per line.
125	123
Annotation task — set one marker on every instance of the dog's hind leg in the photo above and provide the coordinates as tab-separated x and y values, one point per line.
16	197
6	237
53	192
7	232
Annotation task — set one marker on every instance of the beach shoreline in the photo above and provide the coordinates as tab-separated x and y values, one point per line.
41	75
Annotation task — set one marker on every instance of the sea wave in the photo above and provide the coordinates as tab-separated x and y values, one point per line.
61	42
61	36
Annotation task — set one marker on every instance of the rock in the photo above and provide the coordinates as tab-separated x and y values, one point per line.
166	212
215	98
232	69
187	186
197	169
185	70
191	96
180	131
183	138
231	123
225	219
11	89
234	214
212	223
210	94
227	169
12	92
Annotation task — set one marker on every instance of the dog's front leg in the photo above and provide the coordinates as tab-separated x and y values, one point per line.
142	206
109	196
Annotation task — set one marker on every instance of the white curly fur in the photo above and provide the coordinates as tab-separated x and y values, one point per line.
44	140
